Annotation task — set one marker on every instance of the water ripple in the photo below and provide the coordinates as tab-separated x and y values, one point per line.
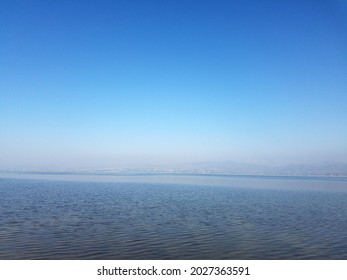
80	220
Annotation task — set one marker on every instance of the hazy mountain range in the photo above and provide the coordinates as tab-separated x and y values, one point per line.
225	167
321	169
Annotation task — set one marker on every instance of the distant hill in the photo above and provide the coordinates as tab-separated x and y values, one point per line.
237	168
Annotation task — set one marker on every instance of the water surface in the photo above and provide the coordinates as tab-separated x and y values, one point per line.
172	217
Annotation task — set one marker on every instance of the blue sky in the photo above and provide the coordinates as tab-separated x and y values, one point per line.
125	83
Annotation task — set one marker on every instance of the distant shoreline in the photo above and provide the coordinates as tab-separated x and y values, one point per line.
163	173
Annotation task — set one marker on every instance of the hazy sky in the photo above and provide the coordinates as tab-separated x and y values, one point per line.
119	83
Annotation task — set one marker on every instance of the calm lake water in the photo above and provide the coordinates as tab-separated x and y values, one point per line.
172	217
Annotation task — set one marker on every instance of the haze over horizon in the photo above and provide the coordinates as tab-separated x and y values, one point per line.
98	84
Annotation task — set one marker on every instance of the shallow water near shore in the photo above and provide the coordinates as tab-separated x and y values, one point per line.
172	217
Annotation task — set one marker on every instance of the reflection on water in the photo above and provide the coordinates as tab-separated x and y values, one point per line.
173	217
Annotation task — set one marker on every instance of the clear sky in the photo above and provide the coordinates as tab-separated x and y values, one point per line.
124	83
